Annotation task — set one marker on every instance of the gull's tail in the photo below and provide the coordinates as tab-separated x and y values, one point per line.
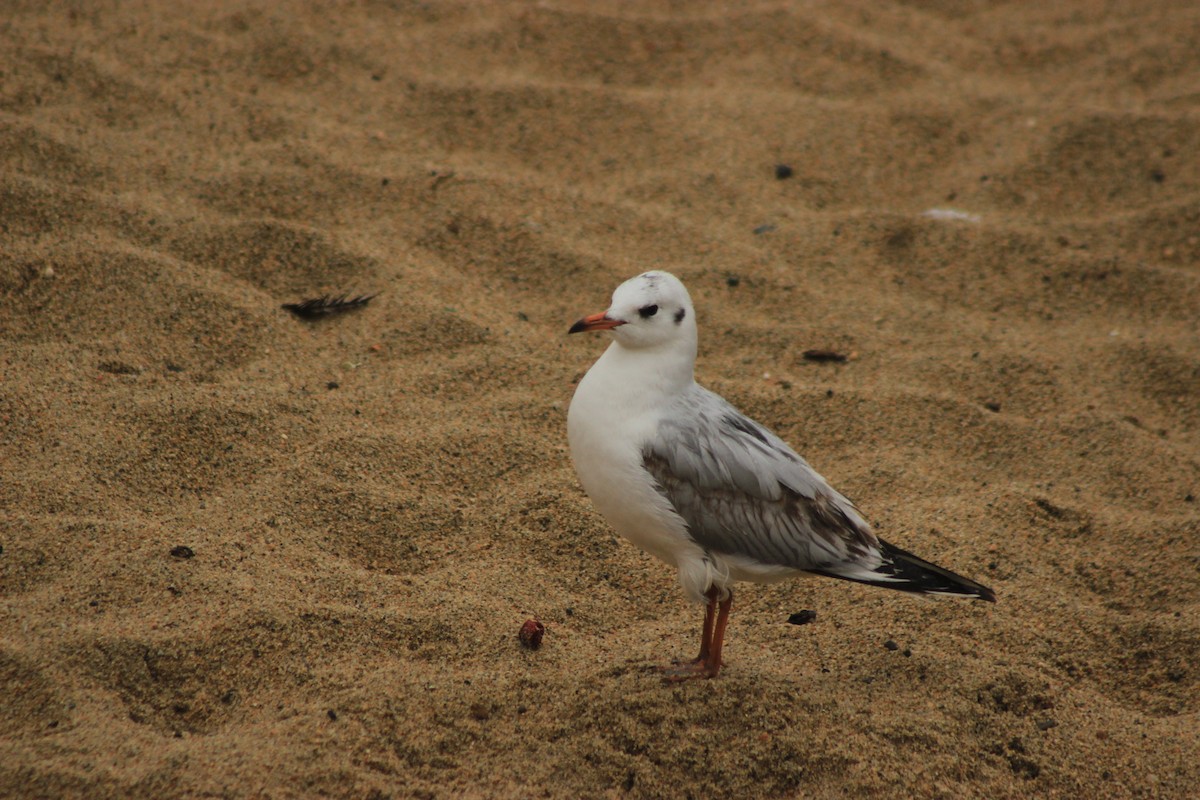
903	571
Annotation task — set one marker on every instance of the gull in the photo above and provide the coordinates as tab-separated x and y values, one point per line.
682	474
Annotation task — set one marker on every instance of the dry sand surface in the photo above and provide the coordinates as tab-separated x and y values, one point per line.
246	555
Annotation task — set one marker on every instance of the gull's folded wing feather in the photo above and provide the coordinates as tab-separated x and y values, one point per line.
742	491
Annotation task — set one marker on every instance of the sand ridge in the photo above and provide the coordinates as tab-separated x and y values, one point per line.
245	555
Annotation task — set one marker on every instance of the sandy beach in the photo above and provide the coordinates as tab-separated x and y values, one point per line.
249	555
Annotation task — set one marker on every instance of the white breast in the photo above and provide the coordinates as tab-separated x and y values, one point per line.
606	427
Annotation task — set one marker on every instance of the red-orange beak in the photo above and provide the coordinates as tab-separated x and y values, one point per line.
595	322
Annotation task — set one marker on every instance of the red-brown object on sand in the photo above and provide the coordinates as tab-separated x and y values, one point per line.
531	634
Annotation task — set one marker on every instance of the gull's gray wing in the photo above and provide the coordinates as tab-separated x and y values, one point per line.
742	491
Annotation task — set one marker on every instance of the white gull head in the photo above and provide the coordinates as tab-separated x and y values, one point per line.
651	311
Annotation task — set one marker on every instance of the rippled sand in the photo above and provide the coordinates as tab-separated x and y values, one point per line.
245	555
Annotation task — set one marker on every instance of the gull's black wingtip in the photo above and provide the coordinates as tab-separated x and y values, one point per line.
904	572
919	575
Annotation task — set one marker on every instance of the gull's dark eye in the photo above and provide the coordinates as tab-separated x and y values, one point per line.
647	311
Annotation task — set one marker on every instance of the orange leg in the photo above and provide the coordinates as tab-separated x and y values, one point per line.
712	641
710	611
718	637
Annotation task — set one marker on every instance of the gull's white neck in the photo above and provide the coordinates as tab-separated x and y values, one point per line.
643	377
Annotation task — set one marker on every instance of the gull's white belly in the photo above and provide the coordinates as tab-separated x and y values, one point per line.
609	465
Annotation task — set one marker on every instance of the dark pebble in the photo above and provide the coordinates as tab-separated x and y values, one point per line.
332	715
802	617
332	385
890	645
764	228
1024	767
182	551
1049	508
824	355
1158	176
732	281
118	368
992	405
1046	724
783	172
